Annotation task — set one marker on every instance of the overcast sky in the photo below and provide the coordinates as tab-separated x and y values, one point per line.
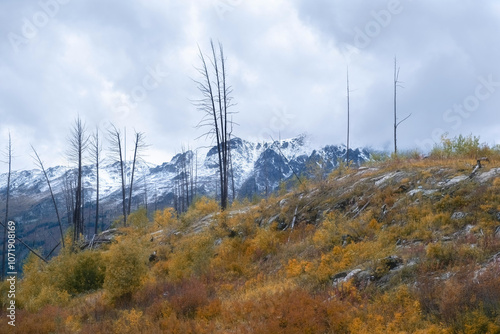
132	63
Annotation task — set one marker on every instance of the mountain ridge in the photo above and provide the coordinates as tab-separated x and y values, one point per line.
258	169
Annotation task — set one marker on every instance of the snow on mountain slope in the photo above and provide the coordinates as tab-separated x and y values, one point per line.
257	167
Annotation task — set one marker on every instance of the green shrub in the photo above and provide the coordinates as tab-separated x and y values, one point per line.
461	146
84	272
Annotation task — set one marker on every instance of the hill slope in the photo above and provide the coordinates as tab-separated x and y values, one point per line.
258	169
402	246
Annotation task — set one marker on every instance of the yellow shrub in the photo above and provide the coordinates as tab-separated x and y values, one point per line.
329	233
126	265
139	218
34	281
496	182
191	256
296	268
395	311
166	219
73	324
48	295
265	242
477	322
231	260
130	322
441	254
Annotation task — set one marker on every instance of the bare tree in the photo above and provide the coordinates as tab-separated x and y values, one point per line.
195	182
139	146
96	150
115	140
27	246
233	190
78	144
39	163
215	104
396	123
182	181
231	162
348	116
145	192
4	243
156	199
69	196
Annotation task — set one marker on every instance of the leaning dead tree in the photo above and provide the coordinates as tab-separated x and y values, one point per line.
139	146
39	163
116	144
396	123
4	239
78	144
215	104
26	245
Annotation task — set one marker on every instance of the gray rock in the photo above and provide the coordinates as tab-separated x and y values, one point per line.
340	275
362	278
458	215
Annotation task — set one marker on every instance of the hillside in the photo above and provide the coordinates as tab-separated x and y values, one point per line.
258	169
406	245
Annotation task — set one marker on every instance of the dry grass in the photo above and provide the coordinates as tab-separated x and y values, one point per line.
269	267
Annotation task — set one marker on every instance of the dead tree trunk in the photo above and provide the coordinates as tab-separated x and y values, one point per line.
116	150
68	196
348	117
26	245
138	146
215	103
4	243
96	150
78	144
396	123
145	192
39	162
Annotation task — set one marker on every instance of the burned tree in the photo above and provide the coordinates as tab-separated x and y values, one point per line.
348	117
78	145
139	146
39	163
4	243
96	150
396	123
69	195
215	103
185	180
116	143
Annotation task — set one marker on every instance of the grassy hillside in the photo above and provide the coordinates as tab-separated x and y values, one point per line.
404	245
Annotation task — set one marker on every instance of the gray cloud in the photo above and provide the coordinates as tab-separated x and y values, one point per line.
132	63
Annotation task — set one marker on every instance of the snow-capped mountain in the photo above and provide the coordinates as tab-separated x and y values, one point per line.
257	168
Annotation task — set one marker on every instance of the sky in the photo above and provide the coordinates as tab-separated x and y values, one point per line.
133	64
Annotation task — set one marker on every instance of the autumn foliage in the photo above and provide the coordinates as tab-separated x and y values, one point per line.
366	253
